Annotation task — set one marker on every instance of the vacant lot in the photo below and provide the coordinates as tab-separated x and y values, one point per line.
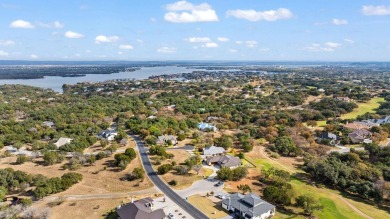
211	209
363	108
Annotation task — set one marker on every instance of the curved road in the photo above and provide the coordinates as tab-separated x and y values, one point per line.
194	212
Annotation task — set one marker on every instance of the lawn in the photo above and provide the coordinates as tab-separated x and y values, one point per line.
334	207
211	209
363	108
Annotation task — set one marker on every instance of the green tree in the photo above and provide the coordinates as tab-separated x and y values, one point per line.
3	193
138	173
308	203
244	188
21	159
286	146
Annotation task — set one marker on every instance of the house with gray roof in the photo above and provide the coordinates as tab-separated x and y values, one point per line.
328	136
224	161
140	209
249	206
164	139
62	141
206	127
213	151
360	136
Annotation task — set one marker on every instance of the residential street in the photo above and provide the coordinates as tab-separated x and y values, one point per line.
194	212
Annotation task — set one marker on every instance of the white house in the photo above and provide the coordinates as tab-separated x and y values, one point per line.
213	151
63	141
249	206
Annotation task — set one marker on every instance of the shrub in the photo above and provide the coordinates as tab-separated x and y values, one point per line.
21	159
163	169
173	183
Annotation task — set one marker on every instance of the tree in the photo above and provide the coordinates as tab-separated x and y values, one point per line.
308	203
197	168
286	147
224	173
244	188
279	193
311	123
51	157
239	173
21	159
130	152
3	193
138	173
163	169
150	140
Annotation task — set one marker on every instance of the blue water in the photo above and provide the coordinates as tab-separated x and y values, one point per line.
55	82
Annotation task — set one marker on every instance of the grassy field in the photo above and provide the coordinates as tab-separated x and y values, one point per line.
334	206
211	209
363	108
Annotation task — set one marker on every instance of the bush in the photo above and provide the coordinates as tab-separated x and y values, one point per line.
26	202
21	159
173	183
138	173
165	168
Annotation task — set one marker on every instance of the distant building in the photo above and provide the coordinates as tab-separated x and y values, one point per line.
328	136
63	141
360	136
213	151
345	99
164	139
140	209
169	108
48	124
248	206
385	120
359	125
107	134
224	161
205	126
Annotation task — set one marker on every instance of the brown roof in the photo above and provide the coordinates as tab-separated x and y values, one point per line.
355	126
139	210
225	160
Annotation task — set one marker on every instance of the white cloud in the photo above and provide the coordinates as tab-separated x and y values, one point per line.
21	24
375	10
223	39
7	43
336	21
153	20
239	42
73	35
326	47
33	56
232	50
252	15
210	45
3	53
126	47
55	24
186	12
198	40
349	41
166	49
106	39
251	43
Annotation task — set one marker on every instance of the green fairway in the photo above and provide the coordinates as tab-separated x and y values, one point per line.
363	108
331	200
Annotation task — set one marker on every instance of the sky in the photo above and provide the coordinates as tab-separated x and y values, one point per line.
135	30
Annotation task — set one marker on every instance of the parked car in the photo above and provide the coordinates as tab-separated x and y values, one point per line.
171	216
220	183
221	196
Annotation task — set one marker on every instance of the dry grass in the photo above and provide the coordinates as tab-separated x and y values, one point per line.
96	180
211	209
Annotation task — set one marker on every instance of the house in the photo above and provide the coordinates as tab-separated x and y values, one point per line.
360	136
249	206
169	108
358	125
140	209
213	151
163	139
107	134
152	117
381	121
63	141
224	161
48	124
328	136
205	126
345	99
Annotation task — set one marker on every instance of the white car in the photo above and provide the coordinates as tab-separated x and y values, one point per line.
221	196
170	216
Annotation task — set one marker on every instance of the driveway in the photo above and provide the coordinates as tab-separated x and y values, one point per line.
201	187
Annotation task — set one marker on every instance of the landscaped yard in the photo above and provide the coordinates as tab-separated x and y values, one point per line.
363	108
211	209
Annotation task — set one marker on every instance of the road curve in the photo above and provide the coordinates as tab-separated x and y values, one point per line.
194	212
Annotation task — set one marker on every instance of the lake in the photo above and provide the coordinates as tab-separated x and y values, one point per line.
56	82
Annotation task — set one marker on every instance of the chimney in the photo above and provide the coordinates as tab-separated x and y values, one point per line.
132	199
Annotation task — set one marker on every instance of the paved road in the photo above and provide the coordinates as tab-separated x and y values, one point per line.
194	212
